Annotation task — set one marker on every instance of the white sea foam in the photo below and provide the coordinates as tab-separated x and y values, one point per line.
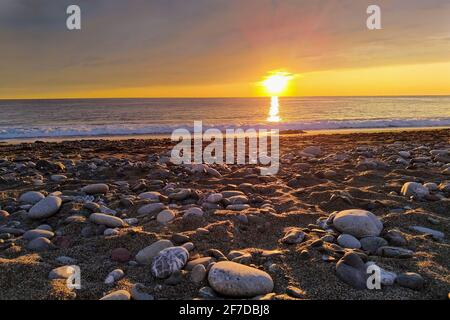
143	129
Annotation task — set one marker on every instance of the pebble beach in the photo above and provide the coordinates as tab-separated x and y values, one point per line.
139	227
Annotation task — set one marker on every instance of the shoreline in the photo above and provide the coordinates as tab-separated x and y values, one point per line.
167	136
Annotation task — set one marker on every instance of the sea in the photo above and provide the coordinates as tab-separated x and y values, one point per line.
38	119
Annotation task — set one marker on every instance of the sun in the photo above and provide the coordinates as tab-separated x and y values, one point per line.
277	83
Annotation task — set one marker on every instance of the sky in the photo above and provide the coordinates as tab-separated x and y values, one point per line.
222	48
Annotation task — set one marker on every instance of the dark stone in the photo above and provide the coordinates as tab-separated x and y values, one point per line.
351	270
410	280
179	238
395	238
121	255
371	244
174	279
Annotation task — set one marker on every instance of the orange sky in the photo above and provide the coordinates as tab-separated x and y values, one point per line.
223	48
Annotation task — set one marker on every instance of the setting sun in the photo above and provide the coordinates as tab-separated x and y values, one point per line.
277	83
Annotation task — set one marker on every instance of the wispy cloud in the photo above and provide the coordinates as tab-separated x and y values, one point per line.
141	43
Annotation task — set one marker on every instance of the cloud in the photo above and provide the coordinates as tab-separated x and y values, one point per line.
177	42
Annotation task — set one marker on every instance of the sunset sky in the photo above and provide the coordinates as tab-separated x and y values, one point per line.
222	48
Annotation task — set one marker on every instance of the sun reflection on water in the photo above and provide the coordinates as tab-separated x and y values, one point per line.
274	110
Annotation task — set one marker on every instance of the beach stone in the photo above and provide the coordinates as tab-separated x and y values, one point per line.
58	177
110	232
438	152
40	244
205	261
120	255
358	223
372	244
146	255
395	238
5	236
117	295
411	280
445	187
404	154
431	186
181	195
13	231
240	257
402	161
175	278
3	215
216	254
168	261
180	238
352	270
193	212
207	293
437	235
152	208
189	246
37	182
152	196
198	274
313	150
114	276
106	210
165	216
395	252
63	272
98	188
213	172
348	241
414	189
138	293
44	227
92	206
45	208
239	199
131	221
293	236
238	207
46	165
211	206
239	281
214	198
296	292
328	238
36	233
31	197
231	193
107	220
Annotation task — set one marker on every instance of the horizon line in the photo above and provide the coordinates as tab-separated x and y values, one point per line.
248	97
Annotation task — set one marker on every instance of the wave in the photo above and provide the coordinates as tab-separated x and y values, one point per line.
154	129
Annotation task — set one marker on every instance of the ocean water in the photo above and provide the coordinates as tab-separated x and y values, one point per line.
24	119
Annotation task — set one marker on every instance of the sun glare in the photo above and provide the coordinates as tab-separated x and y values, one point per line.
277	83
274	110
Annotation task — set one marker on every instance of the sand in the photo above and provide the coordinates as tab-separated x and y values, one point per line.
305	190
